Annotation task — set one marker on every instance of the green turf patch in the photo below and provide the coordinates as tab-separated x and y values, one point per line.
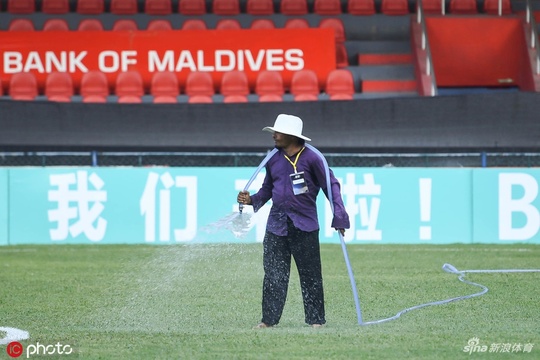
201	301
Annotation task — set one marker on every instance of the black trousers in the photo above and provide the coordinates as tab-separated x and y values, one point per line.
304	247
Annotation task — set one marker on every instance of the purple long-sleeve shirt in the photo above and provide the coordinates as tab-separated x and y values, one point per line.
301	209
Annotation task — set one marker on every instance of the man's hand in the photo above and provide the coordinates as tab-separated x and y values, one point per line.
243	198
341	231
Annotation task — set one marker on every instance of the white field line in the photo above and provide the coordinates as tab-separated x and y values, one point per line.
13	334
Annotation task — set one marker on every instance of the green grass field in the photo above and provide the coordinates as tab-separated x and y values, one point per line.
201	301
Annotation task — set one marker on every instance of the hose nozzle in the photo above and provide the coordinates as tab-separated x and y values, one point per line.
240	207
450	269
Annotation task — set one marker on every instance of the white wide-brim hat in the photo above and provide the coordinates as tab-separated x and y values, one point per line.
288	124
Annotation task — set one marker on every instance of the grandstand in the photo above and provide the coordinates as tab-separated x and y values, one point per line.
388	76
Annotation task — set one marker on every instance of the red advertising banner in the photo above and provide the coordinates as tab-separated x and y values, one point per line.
477	51
213	51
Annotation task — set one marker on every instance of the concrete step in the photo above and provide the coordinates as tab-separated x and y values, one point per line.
387	72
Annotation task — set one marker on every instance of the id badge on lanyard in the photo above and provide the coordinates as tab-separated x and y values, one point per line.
298	179
299	184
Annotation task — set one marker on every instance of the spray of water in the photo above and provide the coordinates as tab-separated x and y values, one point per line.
239	223
175	290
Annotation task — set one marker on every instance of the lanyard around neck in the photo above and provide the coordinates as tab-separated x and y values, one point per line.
295	160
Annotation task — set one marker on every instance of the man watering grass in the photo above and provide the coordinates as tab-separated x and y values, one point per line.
294	176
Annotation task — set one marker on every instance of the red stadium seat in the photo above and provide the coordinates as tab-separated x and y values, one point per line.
23	86
294	7
59	87
270	98
125	25
463	7
335	24
327	7
492	7
235	99
94	85
234	83
200	99
56	25
199	83
194	24
165	100
55	6
340	85
21	25
129	87
228	24
262	24
361	7
306	97
296	23
269	86
164	87
129	83
395	7
226	7
90	7
124	7
129	99
159	24
192	7
199	87
342	59
260	7
158	7
21	6
90	25
305	85
432	6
